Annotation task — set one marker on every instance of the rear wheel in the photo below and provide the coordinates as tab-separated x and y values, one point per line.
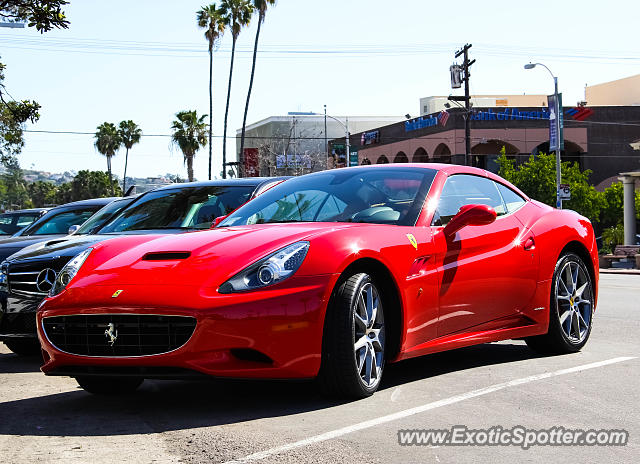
109	385
354	340
571	308
24	347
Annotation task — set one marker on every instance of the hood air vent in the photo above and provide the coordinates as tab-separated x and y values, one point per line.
166	256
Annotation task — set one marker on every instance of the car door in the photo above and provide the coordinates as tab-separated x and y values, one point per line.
483	278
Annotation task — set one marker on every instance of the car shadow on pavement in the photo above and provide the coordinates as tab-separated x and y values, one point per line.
12	363
160	406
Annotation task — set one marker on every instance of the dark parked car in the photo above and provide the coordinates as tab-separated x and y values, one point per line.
28	275
54	224
13	222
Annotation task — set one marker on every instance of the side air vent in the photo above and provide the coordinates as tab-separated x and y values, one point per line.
166	256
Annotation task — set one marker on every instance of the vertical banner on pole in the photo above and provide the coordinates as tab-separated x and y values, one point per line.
556	123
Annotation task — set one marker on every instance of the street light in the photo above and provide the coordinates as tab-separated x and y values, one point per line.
557	121
346	129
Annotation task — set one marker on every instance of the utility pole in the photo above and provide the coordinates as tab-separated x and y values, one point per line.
464	51
326	147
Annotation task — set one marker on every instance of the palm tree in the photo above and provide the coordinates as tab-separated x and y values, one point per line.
210	17
189	134
130	134
261	7
237	14
108	142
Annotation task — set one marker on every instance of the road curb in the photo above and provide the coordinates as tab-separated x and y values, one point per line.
620	271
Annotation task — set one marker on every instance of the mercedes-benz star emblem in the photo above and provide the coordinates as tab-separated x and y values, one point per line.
45	280
111	333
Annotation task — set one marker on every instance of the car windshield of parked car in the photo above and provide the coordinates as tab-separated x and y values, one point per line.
11	223
179	208
56	223
99	219
376	195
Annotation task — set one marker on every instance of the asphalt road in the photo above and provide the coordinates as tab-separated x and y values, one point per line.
49	419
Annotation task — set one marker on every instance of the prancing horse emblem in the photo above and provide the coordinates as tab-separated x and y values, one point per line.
111	333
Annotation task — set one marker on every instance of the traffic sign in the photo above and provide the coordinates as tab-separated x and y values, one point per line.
565	192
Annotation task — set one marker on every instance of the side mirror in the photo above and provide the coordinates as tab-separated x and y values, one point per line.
72	230
218	220
470	215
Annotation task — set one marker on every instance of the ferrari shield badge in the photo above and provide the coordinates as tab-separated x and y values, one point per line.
116	294
413	241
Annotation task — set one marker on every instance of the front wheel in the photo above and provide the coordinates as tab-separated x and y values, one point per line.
571	308
354	340
109	385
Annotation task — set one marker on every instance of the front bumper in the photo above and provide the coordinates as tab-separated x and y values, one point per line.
17	317
273	333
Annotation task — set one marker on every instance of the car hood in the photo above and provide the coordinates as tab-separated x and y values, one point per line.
56	248
69	245
9	246
212	256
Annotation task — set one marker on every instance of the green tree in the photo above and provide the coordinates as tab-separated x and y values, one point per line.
16	195
107	143
537	178
210	18
237	14
130	134
42	193
261	7
13	116
189	133
44	15
92	184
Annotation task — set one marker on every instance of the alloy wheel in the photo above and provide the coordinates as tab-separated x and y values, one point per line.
369	335
574	297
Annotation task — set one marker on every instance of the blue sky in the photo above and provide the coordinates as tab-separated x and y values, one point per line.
146	59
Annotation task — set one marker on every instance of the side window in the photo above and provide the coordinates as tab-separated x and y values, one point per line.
463	189
512	200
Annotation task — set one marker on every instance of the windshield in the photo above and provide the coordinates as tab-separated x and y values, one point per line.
376	195
11	223
59	223
179	208
101	217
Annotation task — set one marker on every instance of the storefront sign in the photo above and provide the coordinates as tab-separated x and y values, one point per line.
510	114
293	161
427	121
353	158
370	137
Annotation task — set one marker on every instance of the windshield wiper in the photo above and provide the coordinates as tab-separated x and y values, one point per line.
277	221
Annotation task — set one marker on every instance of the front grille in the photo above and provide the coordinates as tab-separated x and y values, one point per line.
22	278
25	284
131	334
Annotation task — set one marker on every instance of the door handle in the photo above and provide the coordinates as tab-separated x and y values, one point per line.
529	244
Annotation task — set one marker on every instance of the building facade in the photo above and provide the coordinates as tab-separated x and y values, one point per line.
597	138
297	143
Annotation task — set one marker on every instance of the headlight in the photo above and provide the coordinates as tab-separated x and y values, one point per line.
268	271
68	272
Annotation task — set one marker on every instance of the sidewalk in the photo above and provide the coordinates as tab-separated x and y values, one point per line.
619	271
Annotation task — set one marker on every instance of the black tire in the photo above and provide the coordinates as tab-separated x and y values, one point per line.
557	340
340	375
24	347
109	385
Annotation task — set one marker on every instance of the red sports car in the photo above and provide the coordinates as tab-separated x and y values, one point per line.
328	275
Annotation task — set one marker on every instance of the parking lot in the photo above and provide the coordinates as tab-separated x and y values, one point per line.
49	419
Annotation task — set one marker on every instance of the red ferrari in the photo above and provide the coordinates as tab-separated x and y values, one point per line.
327	275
